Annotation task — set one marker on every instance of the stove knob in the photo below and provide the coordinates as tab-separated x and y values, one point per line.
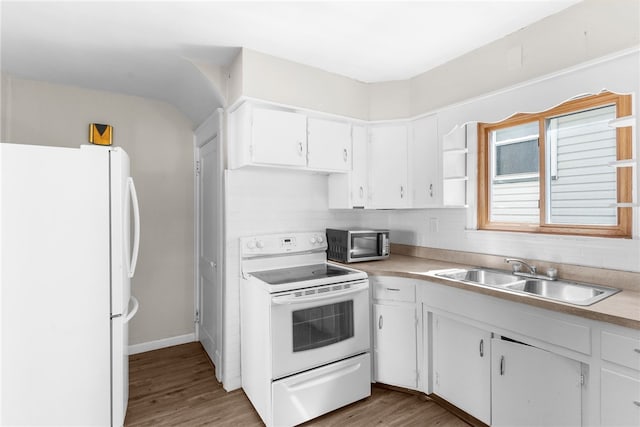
259	244
313	240
251	245
320	239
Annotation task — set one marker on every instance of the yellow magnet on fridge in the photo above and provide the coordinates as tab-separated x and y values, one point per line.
100	134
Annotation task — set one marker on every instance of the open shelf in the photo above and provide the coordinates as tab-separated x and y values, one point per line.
627	163
622	122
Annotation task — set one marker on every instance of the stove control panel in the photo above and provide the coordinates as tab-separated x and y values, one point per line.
274	244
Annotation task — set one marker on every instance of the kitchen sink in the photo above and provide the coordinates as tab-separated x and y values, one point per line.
481	276
573	293
557	290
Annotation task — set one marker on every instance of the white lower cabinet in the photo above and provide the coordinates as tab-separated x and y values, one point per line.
619	399
395	331
462	366
620	383
533	387
394	341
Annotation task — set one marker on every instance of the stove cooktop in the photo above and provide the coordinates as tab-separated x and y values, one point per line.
300	274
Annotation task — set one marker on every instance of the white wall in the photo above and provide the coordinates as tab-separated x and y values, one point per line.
159	141
456	227
265	201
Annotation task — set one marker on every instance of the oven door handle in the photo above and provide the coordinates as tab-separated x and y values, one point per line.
292	299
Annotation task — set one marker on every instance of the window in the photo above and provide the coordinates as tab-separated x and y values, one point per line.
555	171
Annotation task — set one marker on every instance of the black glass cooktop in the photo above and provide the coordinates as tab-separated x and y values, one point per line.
300	274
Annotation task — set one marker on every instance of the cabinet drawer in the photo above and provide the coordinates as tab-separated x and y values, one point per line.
619	400
394	289
620	349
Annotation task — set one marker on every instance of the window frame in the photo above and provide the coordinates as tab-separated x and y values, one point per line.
624	176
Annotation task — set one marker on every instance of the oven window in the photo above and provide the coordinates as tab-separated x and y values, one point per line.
364	245
322	326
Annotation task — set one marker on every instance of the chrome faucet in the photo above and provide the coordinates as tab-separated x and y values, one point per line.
552	273
516	267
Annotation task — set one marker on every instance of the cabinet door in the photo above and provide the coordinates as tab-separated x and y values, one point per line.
329	145
394	341
359	173
619	399
388	167
462	366
424	174
279	138
533	387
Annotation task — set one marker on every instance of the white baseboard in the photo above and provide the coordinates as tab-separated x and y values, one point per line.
165	342
232	383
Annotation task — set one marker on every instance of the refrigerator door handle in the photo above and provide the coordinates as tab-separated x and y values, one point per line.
133	312
133	260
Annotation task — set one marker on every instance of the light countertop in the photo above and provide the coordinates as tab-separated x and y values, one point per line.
621	309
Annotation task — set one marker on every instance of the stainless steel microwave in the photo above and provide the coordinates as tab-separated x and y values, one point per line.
357	245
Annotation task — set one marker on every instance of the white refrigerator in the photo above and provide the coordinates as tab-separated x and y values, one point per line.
70	235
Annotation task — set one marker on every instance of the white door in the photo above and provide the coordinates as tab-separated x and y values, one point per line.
533	387
279	138
425	184
210	289
462	366
388	167
329	145
395	357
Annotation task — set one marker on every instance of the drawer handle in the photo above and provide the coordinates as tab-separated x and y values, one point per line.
637	350
380	322
501	365
635	402
481	348
393	289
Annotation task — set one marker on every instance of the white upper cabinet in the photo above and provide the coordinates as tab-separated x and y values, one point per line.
388	176
350	190
424	165
359	174
278	137
329	145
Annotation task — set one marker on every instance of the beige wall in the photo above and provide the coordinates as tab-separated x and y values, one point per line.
278	80
586	31
159	141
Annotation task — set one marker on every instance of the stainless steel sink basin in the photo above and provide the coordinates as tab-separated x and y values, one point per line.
481	276
558	290
569	292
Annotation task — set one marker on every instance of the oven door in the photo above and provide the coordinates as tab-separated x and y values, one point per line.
315	326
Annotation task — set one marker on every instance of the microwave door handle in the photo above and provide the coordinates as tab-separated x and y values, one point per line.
382	244
292	299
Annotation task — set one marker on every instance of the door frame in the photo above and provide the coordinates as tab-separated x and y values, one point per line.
211	128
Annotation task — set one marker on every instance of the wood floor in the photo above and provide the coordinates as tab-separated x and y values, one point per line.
176	386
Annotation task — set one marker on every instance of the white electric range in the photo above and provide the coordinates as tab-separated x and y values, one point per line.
304	328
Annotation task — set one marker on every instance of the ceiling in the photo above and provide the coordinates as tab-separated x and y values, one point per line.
147	48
